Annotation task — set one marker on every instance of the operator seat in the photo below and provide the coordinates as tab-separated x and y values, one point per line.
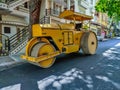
78	26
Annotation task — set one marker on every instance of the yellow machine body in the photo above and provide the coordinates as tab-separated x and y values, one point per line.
64	37
50	40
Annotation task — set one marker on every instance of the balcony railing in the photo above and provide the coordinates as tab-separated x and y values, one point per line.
45	20
48	13
52	12
15	3
14	23
83	3
3	6
10	1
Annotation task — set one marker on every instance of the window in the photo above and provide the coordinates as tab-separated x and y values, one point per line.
26	5
0	17
91	1
7	30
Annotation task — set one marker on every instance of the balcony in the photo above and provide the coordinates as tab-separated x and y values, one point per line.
14	23
52	12
51	16
83	3
14	3
45	20
19	13
4	8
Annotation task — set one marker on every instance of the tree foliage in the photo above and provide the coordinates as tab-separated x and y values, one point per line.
111	7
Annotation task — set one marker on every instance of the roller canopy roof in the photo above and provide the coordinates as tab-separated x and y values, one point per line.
70	15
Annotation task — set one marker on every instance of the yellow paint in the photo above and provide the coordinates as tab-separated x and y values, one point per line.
30	44
70	15
36	30
40	58
65	37
46	50
71	48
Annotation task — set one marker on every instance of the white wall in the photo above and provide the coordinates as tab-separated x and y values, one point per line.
12	28
76	6
43	7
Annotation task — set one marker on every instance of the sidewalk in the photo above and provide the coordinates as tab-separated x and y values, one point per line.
10	61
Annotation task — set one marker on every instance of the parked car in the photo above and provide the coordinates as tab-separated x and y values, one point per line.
117	34
100	38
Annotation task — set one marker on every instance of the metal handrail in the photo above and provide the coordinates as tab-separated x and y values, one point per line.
14	36
18	38
52	12
4	35
45	20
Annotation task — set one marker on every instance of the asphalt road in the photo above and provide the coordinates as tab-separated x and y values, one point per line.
70	72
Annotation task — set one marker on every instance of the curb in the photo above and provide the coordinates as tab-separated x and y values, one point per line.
9	65
7	62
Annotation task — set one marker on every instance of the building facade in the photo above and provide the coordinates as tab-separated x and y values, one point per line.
100	22
13	16
52	8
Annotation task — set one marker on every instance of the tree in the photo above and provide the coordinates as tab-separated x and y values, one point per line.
111	7
34	6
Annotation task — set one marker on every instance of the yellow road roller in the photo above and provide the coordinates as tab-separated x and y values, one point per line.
51	40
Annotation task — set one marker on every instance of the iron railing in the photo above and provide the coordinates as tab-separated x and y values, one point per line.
10	1
45	20
48	13
52	12
9	44
18	38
